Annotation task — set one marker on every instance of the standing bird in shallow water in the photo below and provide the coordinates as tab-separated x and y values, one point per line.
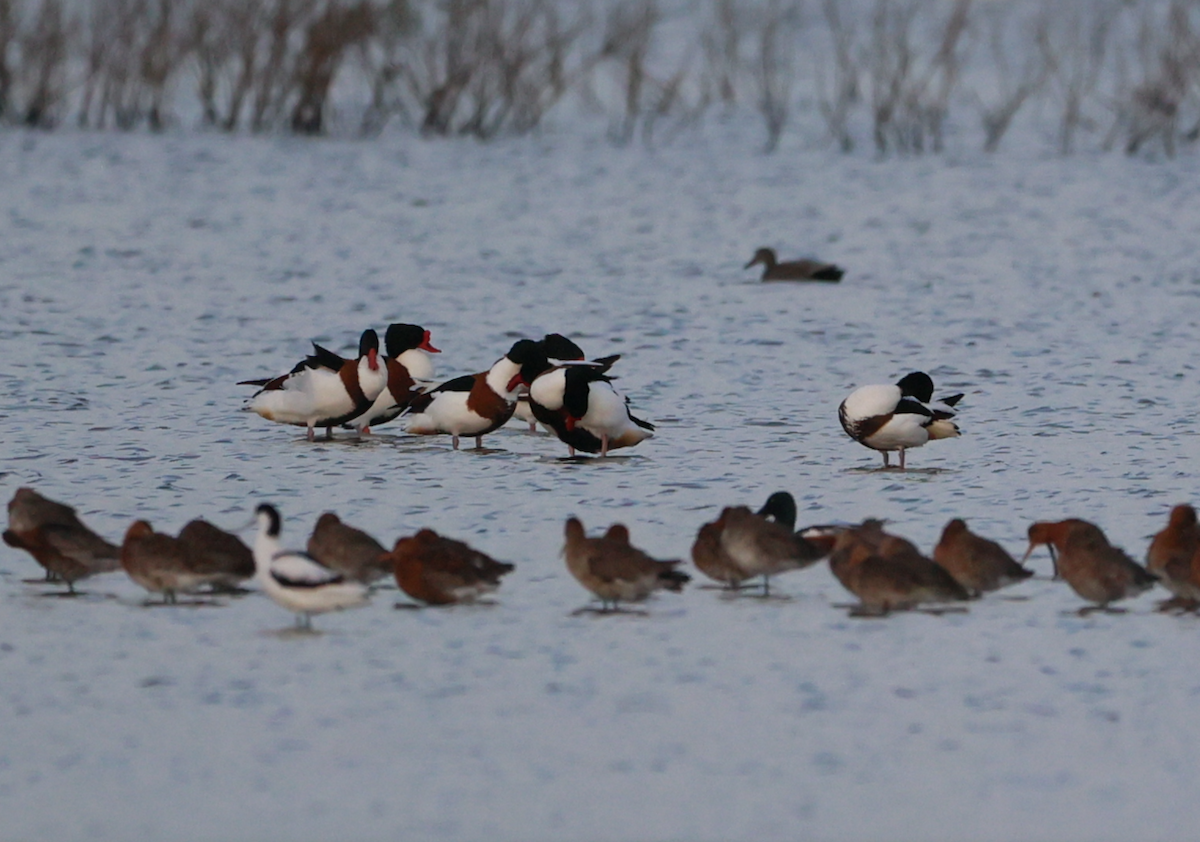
557	351
887	417
613	569
323	390
575	400
408	365
1094	568
580	404
793	270
976	563
57	539
218	555
474	404
710	557
887	572
742	544
1173	557
443	571
349	551
170	566
296	580
556	348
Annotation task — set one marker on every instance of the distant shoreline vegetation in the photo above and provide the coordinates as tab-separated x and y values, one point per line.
886	76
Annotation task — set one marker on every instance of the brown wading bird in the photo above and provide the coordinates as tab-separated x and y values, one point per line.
888	573
1094	568
711	559
56	538
742	544
976	563
349	551
1062	524
221	557
1174	556
793	270
614	570
170	566
443	571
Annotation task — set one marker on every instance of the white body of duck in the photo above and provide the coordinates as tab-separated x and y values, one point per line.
592	405
297	581
320	393
523	411
474	404
896	417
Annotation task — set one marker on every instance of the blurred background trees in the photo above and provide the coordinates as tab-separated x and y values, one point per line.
898	77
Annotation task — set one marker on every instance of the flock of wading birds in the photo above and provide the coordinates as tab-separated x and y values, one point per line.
574	398
341	563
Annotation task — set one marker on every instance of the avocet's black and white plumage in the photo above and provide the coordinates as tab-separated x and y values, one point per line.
296	580
888	417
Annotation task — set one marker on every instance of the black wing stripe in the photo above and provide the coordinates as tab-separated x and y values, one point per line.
908	406
459	384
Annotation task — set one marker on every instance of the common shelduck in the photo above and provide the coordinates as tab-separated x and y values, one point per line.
442	571
976	563
57	539
887	572
474	404
171	566
1094	568
614	570
324	390
898	417
556	348
349	551
408	367
220	556
579	403
558	352
1174	556
793	270
751	544
296	580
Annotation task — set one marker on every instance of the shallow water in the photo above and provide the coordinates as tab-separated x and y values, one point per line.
142	277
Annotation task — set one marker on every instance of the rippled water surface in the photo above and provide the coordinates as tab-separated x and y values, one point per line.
140	278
